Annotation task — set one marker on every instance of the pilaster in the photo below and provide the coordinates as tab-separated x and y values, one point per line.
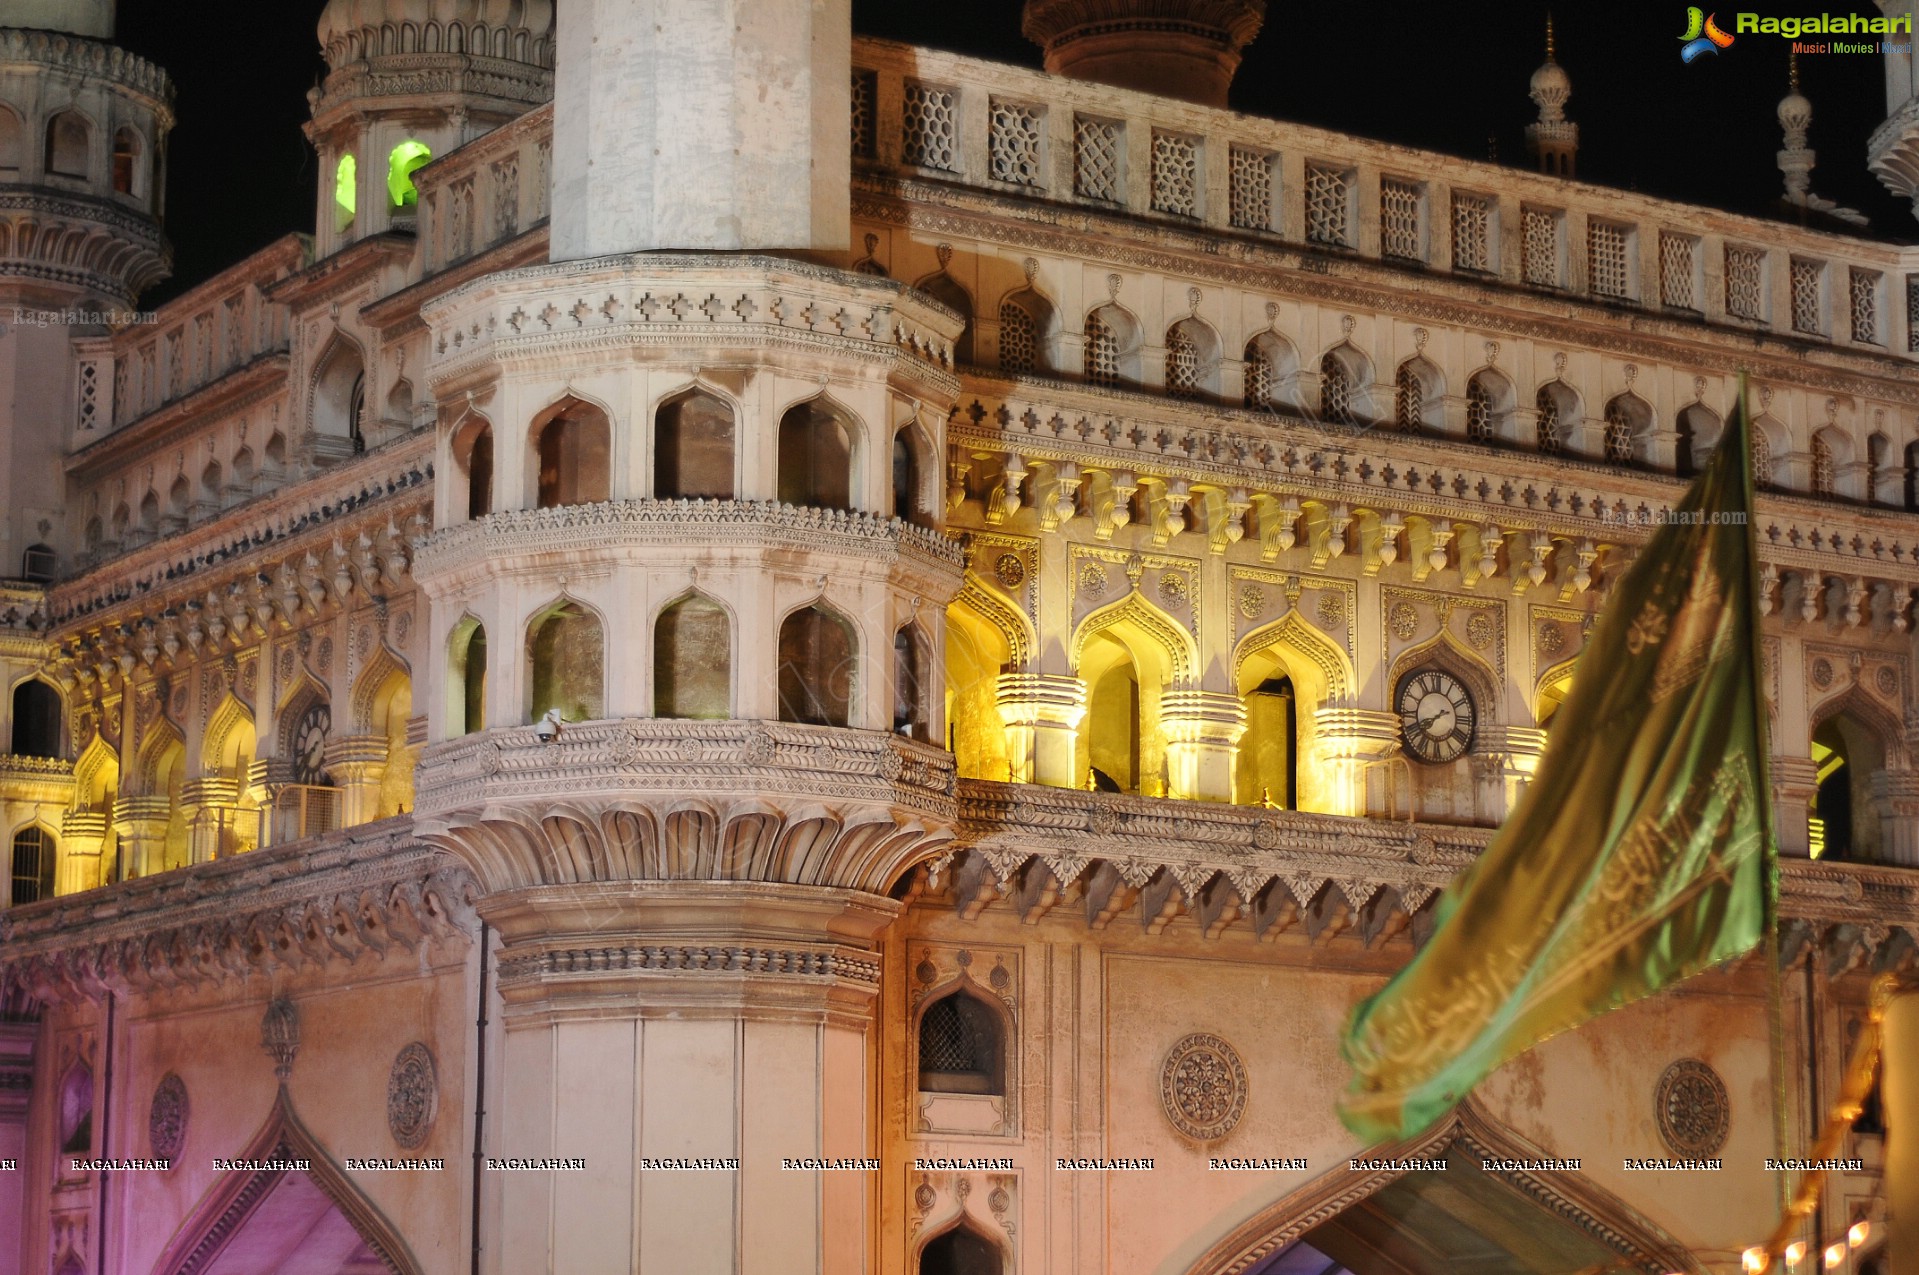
1042	713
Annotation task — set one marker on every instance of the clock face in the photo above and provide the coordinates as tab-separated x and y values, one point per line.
1436	716
309	745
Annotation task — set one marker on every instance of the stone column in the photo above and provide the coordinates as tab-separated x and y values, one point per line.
1349	742
1512	754
1895	798
357	764
1202	731
212	806
83	839
1795	782
1042	713
141	824
709	1020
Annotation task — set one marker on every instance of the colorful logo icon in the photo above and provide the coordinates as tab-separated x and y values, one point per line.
1702	35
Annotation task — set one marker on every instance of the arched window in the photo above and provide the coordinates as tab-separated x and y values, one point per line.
568	652
467	680
339	398
1272	371
1481	426
1761	457
1878	449
961	1050
179	496
574	449
1557	408
356	414
816	668
1335	391
1845	819
908	504
126	162
401	164
693	448
69	139
946	290
1409	399
693	660
912	687
1627	420
1103	332
32	866
36	720
12	144
76	1110
1112	717
473	449
150	512
1695	429
816	456
39	562
1267	766
1019	337
960	1251
1184	361
1824	469
346	192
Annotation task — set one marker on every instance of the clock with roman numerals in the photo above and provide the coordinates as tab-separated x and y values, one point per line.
1436	716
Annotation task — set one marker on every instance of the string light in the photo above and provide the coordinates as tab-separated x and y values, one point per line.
1835	1256
1858	1233
1755	1259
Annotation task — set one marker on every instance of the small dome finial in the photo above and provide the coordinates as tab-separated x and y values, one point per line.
1554	140
1795	117
1549	36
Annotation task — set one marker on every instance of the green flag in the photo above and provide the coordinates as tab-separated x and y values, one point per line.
1640	853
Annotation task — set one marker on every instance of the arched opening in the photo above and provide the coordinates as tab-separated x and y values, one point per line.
466	678
76	1110
816	456
36	720
401	163
1272	372
1343	375
1695	429
210	483
960	1251
1418	397
1844	821
1825	462
69	139
909	497
1768	441
473	454
339	400
977	652
1489	401
179	497
39	562
573	447
1878	451
12	144
150	513
1628	421
1112	726
385	708
567	650
1557	409
126	162
693	660
399	403
1268	761
243	469
816	677
346	193
1192	360
1112	347
229	824
693	448
961	1049
912	685
946	290
33	852
1028	324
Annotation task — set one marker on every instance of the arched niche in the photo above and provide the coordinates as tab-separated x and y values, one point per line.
1854	743
913	683
69	145
816	451
382	703
34	853
912	469
949	292
1556	414
229	746
13	143
1292	651
1192	359
1628	425
985	637
1344	375
1489	406
566	656
818	675
129	173
75	1096
1831	458
1419	396
1878	457
1696	429
212	483
1272	372
37	720
346	193
339	397
961	1041
572	455
694	446
1112	346
693	659
1128	655
401	163
961	1250
466	677
472	447
1029	327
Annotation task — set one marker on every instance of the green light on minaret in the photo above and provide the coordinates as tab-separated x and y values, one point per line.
346	192
406	157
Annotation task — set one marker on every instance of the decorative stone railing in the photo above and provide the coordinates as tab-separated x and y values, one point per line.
90	57
921	116
488	191
666	800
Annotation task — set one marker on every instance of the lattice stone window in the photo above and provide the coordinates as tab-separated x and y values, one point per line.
1329	195
1912	313
1864	287
1335	391
1745	277
1761	458
1250	190
1409	399
1479	412
931	127
1547	432
1018	339
1540	241
1175	174
1102	351
506	196
1678	262
1618	435
866	93
1807	276
1606	260
1182	364
1824	472
1472	232
1013	142
1259	376
1399	236
1097	145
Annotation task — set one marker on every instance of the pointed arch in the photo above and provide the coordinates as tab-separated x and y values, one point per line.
1272	372
162	749
1489	406
1112	346
372	697
913	682
1029	329
1551	688
1314	661
952	294
471	443
466	676
693	657
96	775
570	454
819	442
986	638
1419	396
224	1212
1696	432
128	173
992	608
306	708
69	145
1556	412
1176	653
229	743
1344	375
914	466
694	444
566	657
1831	458
818	666
336	396
1192	359
38	715
1628	428
1878	453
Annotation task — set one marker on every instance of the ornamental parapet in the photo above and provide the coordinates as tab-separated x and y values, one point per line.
90	58
672	800
374	891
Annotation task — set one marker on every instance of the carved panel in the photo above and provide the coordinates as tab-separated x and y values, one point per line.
1202	1086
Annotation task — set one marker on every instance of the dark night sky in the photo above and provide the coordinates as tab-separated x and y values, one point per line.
1446	76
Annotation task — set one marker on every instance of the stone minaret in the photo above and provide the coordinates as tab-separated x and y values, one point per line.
691	587
1187	49
1796	158
1554	140
1892	151
83	129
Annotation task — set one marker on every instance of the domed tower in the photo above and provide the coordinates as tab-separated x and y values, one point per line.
408	80
83	128
1554	140
1187	49
688	588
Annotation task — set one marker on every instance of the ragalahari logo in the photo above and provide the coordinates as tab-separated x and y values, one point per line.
1702	35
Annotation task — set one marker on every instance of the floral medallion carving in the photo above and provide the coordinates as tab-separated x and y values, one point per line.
1887	680
1203	1086
1552	639
1693	1110
1404	621
1092	580
1252	601
1332	608
1173	588
1009	570
1822	673
412	1095
1480	630
167	1118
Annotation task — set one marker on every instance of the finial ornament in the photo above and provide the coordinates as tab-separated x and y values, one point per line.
1549	37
